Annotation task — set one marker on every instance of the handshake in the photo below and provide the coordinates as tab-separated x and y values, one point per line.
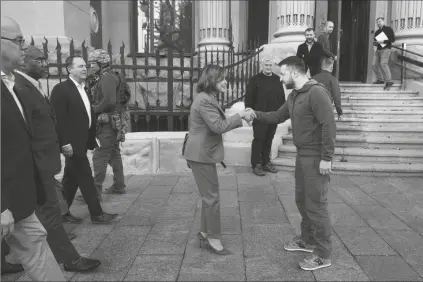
248	115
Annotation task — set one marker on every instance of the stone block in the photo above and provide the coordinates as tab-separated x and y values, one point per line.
142	214
342	215
265	212
155	268
387	268
156	192
409	244
363	241
380	218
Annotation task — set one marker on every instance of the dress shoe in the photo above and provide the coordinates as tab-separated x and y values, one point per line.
82	265
115	191
103	218
69	218
388	85
72	236
9	268
270	168
379	82
257	170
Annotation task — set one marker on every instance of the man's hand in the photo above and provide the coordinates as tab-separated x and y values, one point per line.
325	167
7	223
248	114
67	150
336	58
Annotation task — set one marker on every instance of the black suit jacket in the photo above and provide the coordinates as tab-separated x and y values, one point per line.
19	191
313	58
72	118
45	142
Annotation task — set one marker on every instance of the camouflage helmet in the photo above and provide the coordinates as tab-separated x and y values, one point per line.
99	56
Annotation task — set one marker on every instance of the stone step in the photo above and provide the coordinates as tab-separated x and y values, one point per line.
383	101
356	154
360	168
362	86
382	107
377	93
370	142
376	120
382	130
390	115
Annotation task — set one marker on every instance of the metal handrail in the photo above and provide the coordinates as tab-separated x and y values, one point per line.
408	51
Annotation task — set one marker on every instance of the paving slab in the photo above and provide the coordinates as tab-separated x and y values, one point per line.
377	230
363	241
409	244
155	268
387	268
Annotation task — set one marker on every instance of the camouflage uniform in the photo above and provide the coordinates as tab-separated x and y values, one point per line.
104	95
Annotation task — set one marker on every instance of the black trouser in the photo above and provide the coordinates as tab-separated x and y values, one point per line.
262	142
78	173
311	196
50	217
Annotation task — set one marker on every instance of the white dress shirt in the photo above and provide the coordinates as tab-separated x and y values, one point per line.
84	98
9	81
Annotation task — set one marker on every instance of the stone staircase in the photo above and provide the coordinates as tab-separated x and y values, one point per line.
381	133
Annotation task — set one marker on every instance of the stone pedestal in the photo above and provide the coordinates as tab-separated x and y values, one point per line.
213	25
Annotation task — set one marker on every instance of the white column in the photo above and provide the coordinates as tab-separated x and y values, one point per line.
293	18
213	24
407	21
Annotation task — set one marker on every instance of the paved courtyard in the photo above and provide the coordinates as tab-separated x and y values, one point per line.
377	230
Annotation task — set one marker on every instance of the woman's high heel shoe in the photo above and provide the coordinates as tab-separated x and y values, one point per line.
202	239
222	252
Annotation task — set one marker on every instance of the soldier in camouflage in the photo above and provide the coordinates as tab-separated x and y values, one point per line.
105	101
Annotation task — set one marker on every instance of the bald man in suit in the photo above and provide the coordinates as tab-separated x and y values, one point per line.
21	189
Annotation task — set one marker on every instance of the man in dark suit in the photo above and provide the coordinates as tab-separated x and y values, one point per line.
46	153
21	188
312	52
76	129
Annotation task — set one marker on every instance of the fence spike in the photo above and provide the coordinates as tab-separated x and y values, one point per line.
71	48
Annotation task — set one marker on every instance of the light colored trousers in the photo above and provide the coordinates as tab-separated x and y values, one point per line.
205	175
381	65
29	243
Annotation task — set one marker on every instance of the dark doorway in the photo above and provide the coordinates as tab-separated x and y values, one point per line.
354	38
258	21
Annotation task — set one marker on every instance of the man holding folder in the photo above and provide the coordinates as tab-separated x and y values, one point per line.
383	39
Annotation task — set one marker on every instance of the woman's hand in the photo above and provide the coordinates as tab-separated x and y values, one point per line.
248	114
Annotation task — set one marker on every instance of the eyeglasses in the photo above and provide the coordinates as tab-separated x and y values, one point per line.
17	41
41	61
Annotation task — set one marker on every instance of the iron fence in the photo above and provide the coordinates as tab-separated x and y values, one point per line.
163	84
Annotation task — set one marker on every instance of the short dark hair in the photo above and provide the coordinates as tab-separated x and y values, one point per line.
309	29
327	62
69	61
295	63
210	76
380	18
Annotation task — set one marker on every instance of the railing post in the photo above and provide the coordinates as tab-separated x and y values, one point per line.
403	70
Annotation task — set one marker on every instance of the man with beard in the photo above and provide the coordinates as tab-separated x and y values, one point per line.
314	132
264	93
47	158
324	38
312	52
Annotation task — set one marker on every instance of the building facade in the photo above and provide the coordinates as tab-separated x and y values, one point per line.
278	25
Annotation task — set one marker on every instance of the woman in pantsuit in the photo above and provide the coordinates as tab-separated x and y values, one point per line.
204	148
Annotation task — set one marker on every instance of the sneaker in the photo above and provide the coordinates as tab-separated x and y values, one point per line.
297	245
313	262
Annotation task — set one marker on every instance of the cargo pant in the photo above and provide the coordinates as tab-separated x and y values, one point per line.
311	196
108	153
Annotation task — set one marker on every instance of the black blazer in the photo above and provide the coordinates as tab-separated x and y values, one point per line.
313	58
72	118
45	142
19	176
